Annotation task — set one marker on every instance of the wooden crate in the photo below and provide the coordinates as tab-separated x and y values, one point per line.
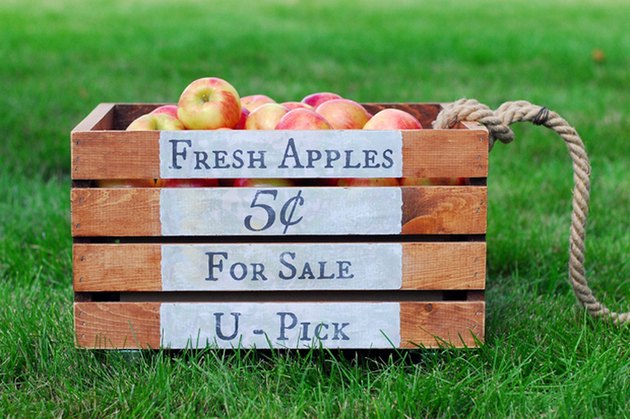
358	267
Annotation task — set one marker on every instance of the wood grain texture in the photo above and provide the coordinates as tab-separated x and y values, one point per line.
115	212
444	210
116	267
444	266
117	325
115	155
137	325
135	212
101	149
137	267
445	153
434	324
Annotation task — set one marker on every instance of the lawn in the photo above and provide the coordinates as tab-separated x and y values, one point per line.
542	355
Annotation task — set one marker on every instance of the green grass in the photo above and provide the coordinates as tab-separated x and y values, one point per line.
541	357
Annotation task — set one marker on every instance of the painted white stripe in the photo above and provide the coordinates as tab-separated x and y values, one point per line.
281	211
280	325
298	154
287	266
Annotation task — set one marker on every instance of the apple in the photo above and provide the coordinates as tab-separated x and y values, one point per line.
241	122
187	183
167	109
156	121
266	116
257	183
368	182
303	119
254	101
316	99
344	113
126	183
295	105
209	103
393	119
432	181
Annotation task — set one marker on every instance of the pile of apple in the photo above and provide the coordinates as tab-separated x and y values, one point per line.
214	104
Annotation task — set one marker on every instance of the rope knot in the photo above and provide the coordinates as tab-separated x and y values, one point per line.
472	111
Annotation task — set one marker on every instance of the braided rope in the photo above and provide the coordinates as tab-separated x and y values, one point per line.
498	123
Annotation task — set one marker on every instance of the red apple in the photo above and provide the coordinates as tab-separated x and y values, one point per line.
126	183
368	182
316	99
241	122
156	121
295	105
303	119
254	101
393	119
265	183
167	109
187	183
343	113
266	116
209	103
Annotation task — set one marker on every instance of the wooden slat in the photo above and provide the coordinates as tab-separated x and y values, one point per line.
136	212
137	267
101	151
135	154
434	323
115	212
115	325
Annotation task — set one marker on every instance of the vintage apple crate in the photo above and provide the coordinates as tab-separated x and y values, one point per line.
288	267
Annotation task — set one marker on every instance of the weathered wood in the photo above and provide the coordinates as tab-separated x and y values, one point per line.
138	267
436	323
116	267
100	151
431	273
444	266
444	210
115	155
115	212
136	212
115	325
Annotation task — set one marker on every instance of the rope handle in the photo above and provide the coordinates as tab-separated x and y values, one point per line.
498	122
